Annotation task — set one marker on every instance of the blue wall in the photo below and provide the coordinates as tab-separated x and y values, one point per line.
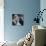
26	7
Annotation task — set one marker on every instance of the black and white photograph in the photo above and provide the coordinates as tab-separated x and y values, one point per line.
17	19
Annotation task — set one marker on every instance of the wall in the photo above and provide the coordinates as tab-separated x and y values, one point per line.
26	7
1	20
43	6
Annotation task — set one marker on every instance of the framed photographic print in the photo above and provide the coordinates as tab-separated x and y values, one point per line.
17	19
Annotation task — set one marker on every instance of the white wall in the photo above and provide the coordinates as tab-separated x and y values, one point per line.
1	20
